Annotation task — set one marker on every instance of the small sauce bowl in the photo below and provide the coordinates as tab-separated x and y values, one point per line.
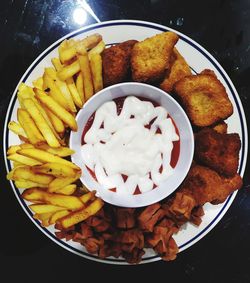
181	121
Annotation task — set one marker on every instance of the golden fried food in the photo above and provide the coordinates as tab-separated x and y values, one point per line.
150	58
179	69
221	127
218	151
201	185
116	62
204	98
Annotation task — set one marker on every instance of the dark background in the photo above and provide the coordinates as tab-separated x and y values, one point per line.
29	27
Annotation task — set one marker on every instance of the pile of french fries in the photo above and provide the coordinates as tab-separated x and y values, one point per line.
45	116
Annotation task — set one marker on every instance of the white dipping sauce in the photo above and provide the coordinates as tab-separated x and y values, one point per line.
125	146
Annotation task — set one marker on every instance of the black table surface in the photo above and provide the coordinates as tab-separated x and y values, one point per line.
27	27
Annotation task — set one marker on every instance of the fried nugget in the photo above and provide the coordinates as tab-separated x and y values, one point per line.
202	185
179	69
218	151
116	63
151	57
204	98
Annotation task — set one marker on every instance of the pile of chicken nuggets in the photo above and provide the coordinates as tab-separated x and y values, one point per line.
157	61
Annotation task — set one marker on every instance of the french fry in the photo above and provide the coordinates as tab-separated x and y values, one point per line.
66	93
55	92
16	164
25	173
13	149
86	74
38	83
23	159
24	92
57	109
44	218
82	214
17	129
45	157
27	184
97	49
55	169
68	52
41	123
67	190
59	151
57	215
59	183
78	97
87	197
56	122
57	63
29	126
69	71
28	145
45	208
69	202
80	87
96	70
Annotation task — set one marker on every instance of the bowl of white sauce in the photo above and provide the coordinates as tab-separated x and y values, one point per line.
134	144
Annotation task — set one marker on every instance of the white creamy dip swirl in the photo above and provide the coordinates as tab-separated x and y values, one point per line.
125	146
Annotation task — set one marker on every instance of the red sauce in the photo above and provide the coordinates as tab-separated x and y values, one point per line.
119	103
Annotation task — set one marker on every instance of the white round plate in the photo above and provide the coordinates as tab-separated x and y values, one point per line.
198	59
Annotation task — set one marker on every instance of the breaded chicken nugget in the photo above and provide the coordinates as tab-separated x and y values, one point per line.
151	57
202	185
116	62
179	69
218	151
204	98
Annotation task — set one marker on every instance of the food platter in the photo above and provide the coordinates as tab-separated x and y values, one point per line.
198	59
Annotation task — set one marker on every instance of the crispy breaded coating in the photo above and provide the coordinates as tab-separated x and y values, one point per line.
151	57
218	151
204	99
202	185
116	63
178	70
221	127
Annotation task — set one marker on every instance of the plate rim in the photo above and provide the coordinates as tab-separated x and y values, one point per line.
194	44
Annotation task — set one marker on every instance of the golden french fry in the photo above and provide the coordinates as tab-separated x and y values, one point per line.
97	49
80	87
55	92
45	208
59	183
69	71
96	70
83	60
78	97
44	218
13	149
66	93
41	123
87	197
69	202
29	126
51	72
55	169
23	159
59	151
45	157
17	129
16	164
24	92
25	173
56	122
82	214
67	190
70	51
38	83
9	176
27	184
28	145
57	215
57	109
57	63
